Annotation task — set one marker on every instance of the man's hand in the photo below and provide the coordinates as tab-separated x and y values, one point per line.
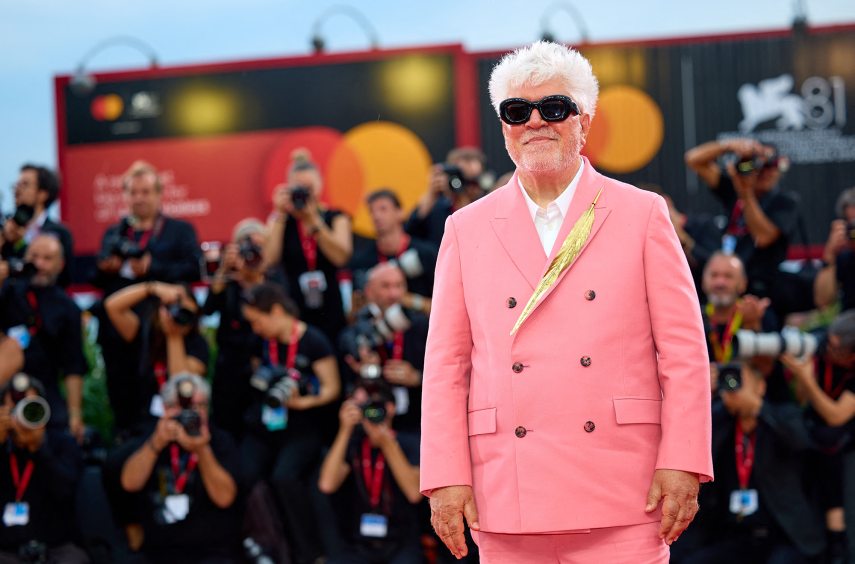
401	373
76	427
802	368
448	506
4	270
111	265
379	434
140	266
753	309
838	239
5	421
190	443
678	492
743	184
30	439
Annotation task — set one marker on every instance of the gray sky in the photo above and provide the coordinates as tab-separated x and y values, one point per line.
42	38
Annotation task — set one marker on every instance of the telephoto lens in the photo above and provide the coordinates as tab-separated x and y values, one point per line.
32	412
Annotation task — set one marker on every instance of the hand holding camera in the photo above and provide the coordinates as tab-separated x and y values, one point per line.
401	373
753	309
840	236
801	368
350	414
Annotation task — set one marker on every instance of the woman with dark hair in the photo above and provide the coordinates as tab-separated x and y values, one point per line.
298	381
312	242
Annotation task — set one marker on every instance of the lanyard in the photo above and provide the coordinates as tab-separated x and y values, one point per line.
734	227
405	244
21	482
397	348
744	456
723	349
310	247
273	348
160	374
146	236
373	480
828	387
36	320
181	477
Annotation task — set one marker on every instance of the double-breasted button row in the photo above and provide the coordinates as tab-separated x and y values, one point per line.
589	426
590	295
520	432
517	367
585	361
512	302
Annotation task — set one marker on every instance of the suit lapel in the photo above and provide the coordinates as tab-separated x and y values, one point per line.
514	227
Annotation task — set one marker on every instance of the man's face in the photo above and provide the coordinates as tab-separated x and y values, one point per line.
839	354
385	215
470	165
45	253
539	146
142	196
723	281
262	324
27	188
386	287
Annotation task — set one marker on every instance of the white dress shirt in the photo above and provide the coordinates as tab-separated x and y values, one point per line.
548	221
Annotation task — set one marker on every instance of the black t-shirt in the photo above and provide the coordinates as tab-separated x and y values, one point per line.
431	227
50	321
417	283
726	473
330	316
761	265
312	346
56	470
834	381
402	515
846	278
207	529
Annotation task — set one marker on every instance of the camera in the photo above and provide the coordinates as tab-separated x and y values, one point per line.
118	245
729	376
32	412
790	340
410	263
249	251
300	196
22	215
33	552
373	327
19	268
756	163
212	257
456	180
277	383
188	418
850	231
374	408
180	314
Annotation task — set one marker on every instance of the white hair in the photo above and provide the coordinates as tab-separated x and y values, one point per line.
543	61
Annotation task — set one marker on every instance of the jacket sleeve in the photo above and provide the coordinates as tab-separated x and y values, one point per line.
445	457
683	364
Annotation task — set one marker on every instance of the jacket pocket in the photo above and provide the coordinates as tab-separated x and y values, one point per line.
638	410
482	421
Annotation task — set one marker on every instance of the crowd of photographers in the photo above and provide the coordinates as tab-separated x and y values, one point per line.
292	434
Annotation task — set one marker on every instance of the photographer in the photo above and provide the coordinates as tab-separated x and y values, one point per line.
451	186
11	357
416	258
185	472
757	510
36	190
388	341
146	244
377	471
297	380
837	277
762	217
240	268
41	470
45	321
312	243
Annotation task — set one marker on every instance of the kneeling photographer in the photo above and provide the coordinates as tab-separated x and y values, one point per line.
387	341
296	380
184	471
37	487
377	471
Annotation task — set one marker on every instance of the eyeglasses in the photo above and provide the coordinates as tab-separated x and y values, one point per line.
515	111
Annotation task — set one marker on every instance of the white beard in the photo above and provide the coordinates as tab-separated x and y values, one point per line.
534	161
721	301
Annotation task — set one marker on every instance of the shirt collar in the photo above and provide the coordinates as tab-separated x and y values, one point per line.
562	202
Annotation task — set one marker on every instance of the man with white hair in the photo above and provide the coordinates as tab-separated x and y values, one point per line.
566	407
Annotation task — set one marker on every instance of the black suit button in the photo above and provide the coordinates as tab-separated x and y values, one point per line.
520	432
589	426
586	361
512	303
517	367
590	295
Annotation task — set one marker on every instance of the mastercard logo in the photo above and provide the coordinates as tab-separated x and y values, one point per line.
107	107
627	131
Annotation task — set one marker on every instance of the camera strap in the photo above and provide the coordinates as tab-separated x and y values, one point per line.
828	381
293	344
405	244
147	235
723	347
310	247
736	226
34	323
21	482
397	348
160	374
744	455
181	477
373	477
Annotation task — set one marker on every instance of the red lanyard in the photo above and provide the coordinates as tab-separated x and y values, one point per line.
723	349
147	234
373	481
734	228
405	243
21	482
833	392
181	477
397	348
273	348
37	317
310	247
160	374
744	456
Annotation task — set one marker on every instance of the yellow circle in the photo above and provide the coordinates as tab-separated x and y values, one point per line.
392	157
113	107
635	131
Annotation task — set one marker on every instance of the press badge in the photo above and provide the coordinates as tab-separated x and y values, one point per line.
274	418
373	525
744	502
175	508
728	244
402	400
156	407
16	514
313	285
21	334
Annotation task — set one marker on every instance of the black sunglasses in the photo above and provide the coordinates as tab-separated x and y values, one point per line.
515	111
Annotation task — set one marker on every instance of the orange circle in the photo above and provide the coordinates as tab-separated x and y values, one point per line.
107	107
627	132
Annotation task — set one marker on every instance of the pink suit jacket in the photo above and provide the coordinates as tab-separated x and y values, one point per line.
614	379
